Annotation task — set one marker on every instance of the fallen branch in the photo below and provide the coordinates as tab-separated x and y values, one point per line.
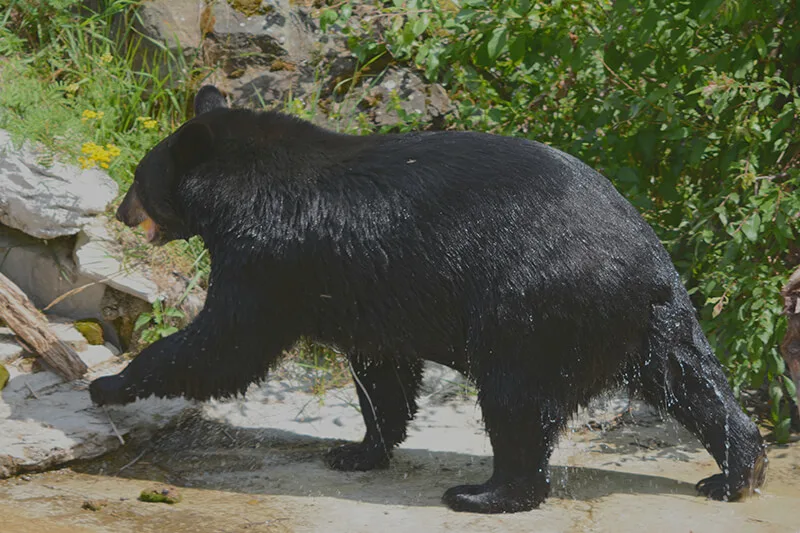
114	426
27	323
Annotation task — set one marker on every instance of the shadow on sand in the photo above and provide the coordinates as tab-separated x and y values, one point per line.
195	452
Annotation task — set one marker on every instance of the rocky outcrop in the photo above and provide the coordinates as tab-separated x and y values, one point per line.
265	53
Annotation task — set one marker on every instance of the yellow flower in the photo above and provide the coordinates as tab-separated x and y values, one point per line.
113	150
106	58
88	114
147	122
97	155
72	88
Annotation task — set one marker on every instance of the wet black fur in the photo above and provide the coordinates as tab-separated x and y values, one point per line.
505	259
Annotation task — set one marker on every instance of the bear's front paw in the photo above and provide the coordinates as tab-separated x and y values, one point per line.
357	457
109	390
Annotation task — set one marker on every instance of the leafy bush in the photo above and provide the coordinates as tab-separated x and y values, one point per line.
691	108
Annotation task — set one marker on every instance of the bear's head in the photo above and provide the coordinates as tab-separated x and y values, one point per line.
152	200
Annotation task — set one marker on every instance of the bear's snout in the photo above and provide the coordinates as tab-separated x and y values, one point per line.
130	211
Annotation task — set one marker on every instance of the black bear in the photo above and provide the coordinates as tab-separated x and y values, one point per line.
502	258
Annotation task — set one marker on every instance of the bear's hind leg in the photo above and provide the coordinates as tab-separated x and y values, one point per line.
523	432
681	375
387	391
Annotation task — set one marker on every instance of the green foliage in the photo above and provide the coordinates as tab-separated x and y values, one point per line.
691	108
160	323
326	368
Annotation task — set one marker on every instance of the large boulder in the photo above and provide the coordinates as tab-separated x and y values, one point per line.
48	202
46	273
176	23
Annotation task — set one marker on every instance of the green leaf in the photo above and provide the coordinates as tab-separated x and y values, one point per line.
408	35
760	45
612	56
521	7
751	226
783	430
421	24
677	133
627	175
699	146
327	18
642	61
790	388
173	313
497	43
517	48
143	320
165	332
775	391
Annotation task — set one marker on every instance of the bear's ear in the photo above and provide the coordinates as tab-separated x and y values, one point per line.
208	98
192	144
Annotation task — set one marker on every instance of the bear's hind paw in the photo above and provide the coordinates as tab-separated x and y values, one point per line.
718	487
491	498
357	457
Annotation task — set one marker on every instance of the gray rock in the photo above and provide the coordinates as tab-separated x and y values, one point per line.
282	30
173	24
66	332
48	202
46	421
264	57
176	23
45	272
57	423
429	102
10	349
98	256
442	384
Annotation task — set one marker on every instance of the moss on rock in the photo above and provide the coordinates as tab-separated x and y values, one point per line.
91	329
3	376
161	494
250	7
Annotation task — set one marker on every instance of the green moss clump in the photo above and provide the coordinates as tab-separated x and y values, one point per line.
91	329
162	494
3	376
250	7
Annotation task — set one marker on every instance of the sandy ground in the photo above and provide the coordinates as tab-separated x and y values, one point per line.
256	465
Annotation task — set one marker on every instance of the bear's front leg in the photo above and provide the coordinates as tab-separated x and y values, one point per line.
225	349
170	367
387	390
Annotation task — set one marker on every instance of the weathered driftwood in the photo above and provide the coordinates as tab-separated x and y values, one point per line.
30	326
